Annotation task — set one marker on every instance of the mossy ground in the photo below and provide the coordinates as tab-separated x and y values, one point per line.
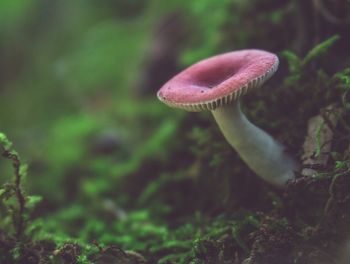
116	177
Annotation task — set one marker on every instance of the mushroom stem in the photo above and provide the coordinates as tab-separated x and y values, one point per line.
264	155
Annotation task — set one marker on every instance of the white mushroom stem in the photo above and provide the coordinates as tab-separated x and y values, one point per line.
264	155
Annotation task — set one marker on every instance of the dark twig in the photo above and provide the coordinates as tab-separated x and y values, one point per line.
16	163
331	198
97	245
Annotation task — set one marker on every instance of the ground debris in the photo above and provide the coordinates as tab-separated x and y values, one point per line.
116	255
318	141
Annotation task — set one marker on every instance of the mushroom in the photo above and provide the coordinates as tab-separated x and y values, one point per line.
216	84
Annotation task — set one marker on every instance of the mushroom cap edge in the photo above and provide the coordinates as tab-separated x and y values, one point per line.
218	80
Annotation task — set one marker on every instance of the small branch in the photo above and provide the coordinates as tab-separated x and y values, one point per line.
97	245
16	163
331	199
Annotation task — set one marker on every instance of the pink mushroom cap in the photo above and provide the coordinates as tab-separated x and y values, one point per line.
218	80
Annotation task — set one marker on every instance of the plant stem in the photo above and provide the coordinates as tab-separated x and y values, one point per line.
19	220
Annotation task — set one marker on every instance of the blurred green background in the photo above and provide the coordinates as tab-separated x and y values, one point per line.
78	83
69	77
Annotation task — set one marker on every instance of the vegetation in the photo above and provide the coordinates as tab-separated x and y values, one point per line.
114	176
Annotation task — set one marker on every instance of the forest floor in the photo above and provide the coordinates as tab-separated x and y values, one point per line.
181	195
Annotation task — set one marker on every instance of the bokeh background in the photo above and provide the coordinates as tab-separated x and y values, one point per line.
108	162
